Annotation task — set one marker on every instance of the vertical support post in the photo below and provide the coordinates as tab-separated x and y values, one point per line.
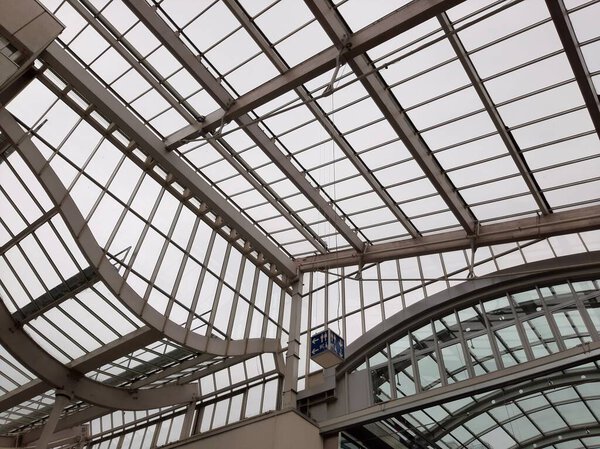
292	359
61	399
188	420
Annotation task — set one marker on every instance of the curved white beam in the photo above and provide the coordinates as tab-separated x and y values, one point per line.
98	259
26	351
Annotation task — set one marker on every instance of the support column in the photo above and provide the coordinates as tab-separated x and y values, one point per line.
290	381
61	400
188	420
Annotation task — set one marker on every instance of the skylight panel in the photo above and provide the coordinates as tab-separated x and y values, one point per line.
72	21
436	222
110	66
252	74
303	44
505	209
460	131
430	84
524	47
445	109
585	23
553	128
413	64
540	105
503	23
529	78
471	152
211	26
563	152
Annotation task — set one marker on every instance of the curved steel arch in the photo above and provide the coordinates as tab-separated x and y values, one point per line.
560	436
97	258
74	383
506	395
577	266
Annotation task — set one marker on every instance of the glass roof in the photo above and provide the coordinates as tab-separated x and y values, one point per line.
192	160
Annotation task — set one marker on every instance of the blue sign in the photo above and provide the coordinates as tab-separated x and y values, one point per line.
318	343
327	348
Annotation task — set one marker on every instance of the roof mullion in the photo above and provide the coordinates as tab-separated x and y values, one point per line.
320	115
502	129
567	36
335	26
184	55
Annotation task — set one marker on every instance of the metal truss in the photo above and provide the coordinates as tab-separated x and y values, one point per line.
336	28
174	44
99	260
86	85
406	17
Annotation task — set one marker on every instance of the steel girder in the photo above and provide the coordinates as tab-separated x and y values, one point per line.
502	378
558	223
98	259
336	28
503	131
567	36
26	351
268	49
184	55
405	18
86	85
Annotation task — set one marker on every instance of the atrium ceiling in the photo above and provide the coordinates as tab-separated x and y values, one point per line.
190	189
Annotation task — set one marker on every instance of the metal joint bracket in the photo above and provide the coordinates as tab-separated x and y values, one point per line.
473	239
346	44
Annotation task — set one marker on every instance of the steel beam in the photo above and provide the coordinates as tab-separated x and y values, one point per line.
86	85
22	347
503	131
558	223
184	55
567	36
399	21
267	48
98	259
337	29
589	352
